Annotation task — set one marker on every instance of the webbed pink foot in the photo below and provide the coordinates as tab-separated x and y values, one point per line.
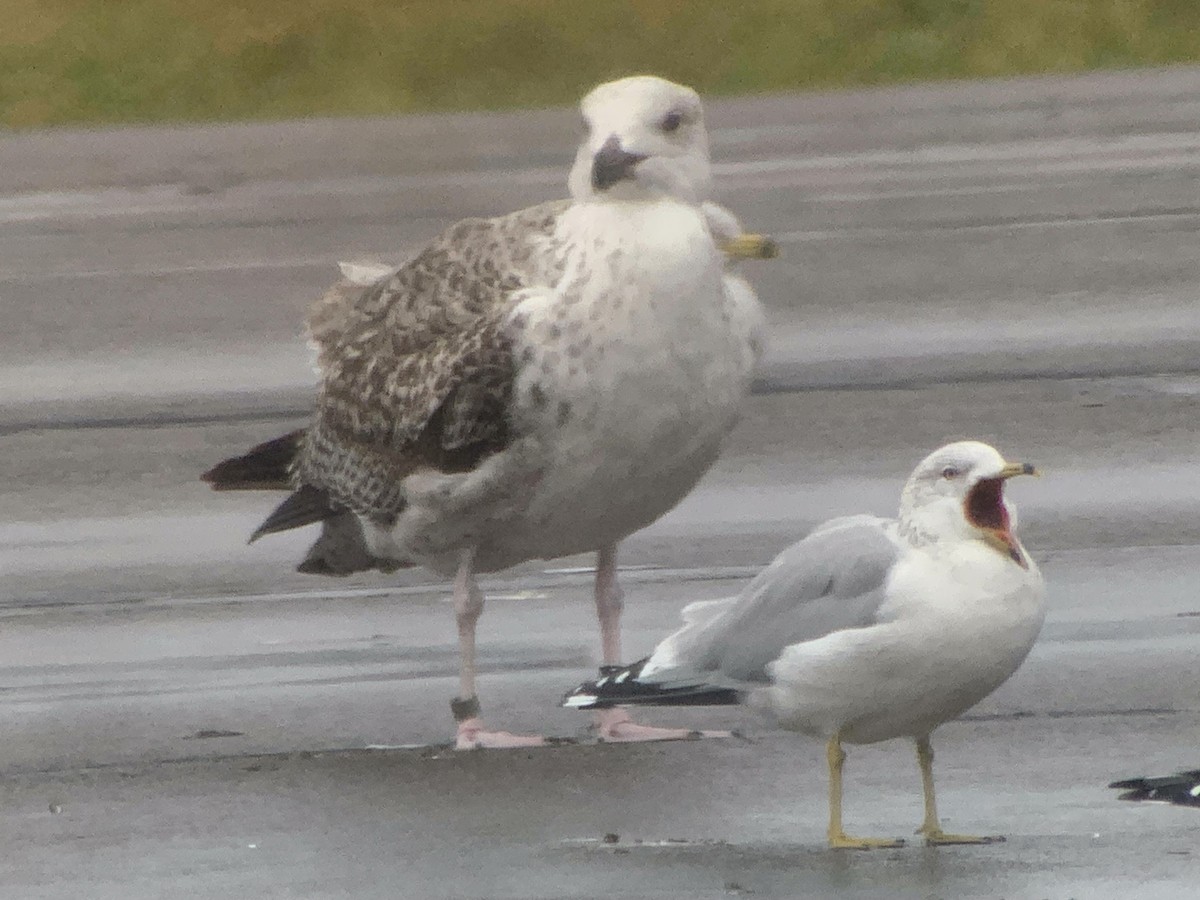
615	725
474	735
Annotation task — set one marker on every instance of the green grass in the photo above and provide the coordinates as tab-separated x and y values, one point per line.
103	61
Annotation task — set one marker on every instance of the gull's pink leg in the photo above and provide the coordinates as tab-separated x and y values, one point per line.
472	733
610	601
615	724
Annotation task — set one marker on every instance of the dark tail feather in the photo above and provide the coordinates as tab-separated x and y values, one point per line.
264	467
622	688
340	549
305	506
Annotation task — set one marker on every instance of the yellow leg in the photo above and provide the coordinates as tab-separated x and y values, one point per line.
838	839
751	246
931	827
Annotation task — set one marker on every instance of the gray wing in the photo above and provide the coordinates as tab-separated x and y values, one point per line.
831	580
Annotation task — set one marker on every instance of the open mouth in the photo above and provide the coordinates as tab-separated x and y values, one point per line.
984	507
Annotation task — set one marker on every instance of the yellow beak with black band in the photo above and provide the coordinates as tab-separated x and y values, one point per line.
1011	470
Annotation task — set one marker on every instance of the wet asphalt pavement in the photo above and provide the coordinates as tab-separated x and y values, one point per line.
185	716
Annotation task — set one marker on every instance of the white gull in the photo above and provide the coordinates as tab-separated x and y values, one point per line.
868	629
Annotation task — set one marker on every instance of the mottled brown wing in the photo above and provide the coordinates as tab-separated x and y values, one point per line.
417	369
328	317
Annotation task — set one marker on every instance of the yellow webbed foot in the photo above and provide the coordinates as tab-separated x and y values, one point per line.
843	841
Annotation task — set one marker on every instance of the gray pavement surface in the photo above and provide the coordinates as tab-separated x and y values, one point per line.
185	716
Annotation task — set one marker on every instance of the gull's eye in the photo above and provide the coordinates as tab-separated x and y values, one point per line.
950	472
671	122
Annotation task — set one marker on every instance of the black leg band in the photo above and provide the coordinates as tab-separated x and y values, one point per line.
605	671
464	709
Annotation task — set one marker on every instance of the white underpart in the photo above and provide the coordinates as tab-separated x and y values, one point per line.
634	370
960	618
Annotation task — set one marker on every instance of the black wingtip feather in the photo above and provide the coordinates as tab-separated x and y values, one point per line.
1182	789
622	688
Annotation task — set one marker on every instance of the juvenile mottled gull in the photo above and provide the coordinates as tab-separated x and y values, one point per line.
534	385
869	628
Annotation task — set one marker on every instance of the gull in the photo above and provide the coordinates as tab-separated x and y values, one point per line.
868	629
530	386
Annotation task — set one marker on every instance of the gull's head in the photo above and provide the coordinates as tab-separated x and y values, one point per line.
644	139
957	492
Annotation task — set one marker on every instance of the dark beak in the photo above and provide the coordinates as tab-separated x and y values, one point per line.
612	164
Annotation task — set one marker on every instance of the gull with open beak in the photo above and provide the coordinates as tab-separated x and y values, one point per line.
868	629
